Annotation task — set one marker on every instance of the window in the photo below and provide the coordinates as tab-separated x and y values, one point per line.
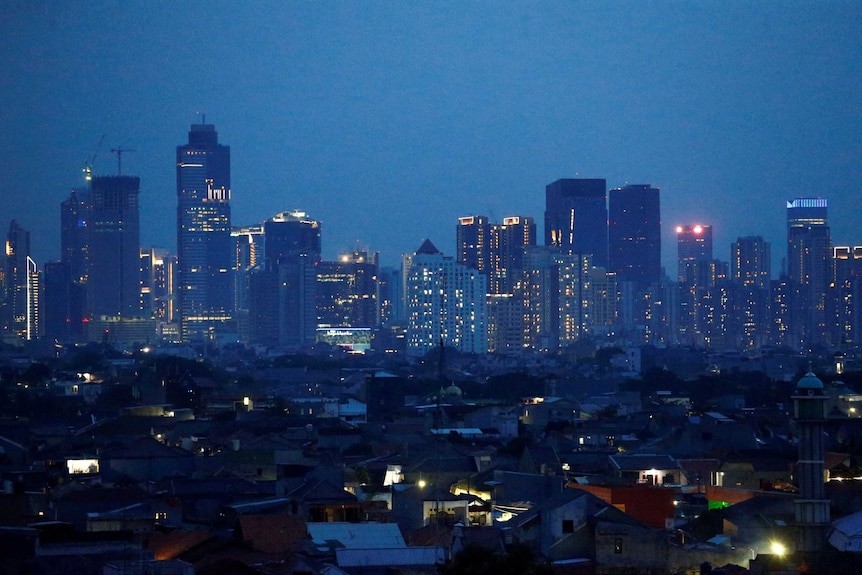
618	545
568	526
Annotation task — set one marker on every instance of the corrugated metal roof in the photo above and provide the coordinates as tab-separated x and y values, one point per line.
379	557
358	535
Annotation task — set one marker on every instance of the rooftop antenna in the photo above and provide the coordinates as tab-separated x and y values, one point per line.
119	151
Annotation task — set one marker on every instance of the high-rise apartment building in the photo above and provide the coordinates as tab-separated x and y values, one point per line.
809	270
204	249
634	234
696	274
694	244
576	218
495	250
847	295
751	262
750	274
445	300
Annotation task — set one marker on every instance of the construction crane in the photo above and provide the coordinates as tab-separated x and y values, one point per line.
88	165
119	151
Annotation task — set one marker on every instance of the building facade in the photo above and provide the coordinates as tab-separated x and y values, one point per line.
204	250
576	217
809	270
445	301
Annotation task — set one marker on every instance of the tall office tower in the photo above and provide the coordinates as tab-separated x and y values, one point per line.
848	294
750	274
248	253
695	276
76	215
57	302
204	250
158	290
809	269
17	275
576	218
634	234
495	250
445	300
347	291
290	234
292	251
114	279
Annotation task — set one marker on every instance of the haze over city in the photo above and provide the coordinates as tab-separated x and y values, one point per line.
386	122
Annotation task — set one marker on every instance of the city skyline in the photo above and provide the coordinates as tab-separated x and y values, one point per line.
416	116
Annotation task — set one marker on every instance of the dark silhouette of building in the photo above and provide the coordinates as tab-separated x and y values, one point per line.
812	506
634	234
204	247
576	218
76	214
63	304
285	286
114	278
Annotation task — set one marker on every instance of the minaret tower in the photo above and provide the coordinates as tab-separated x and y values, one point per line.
812	507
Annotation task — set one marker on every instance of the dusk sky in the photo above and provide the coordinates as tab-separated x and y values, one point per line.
387	121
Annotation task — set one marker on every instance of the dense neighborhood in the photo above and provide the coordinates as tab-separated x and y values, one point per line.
328	463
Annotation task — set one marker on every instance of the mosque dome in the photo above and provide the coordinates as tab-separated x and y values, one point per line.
453	390
809	381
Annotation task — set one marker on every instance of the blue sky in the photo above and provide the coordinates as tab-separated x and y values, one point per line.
388	120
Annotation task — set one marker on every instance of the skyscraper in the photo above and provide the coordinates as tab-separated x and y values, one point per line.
694	244
750	272
809	269
495	250
751	262
576	218
292	243
114	277
848	294
634	234
347	291
16	305
76	214
205	257
696	274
